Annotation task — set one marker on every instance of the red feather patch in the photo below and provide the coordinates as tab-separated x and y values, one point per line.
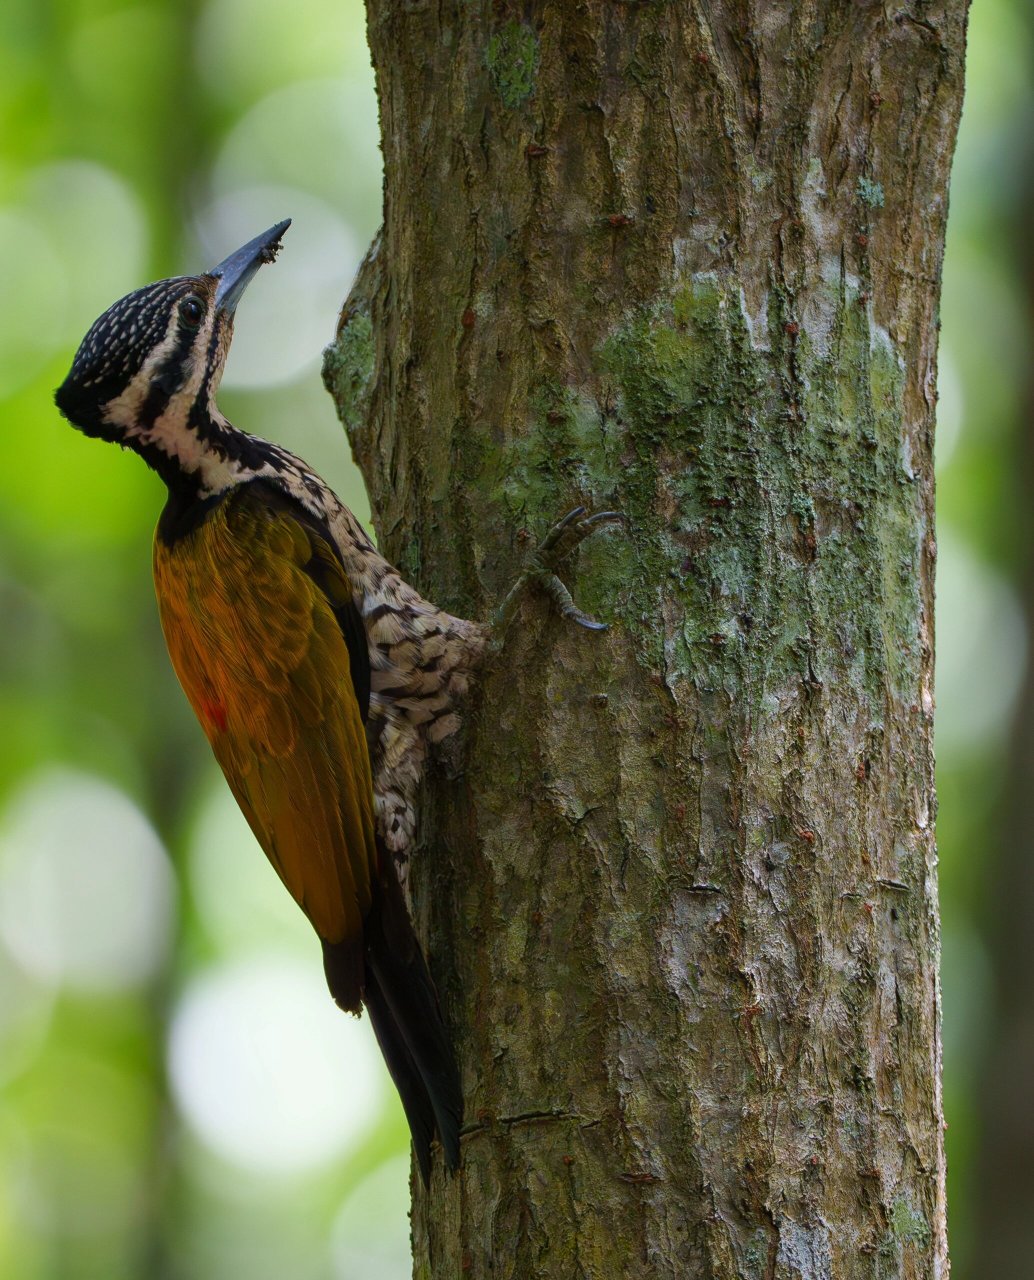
215	715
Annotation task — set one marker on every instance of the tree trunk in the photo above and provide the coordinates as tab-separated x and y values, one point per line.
680	893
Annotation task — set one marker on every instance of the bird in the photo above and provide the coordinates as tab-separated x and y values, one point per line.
320	678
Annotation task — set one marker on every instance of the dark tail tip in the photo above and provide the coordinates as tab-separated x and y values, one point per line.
427	1109
344	965
407	1020
386	971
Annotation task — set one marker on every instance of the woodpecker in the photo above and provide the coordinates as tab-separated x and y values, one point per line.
319	677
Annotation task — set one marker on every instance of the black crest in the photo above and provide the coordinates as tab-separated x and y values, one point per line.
115	348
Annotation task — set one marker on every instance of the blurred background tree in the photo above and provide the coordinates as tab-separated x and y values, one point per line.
178	1096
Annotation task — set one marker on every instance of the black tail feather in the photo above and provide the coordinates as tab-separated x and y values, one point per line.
345	965
405	1073
404	1010
386	970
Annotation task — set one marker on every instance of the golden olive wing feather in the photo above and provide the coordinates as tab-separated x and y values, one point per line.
247	603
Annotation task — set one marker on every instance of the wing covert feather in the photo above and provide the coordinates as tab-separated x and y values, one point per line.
250	603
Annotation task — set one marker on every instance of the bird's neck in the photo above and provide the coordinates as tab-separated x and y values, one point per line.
201	461
198	454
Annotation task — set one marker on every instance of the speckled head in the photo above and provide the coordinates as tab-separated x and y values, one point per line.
147	371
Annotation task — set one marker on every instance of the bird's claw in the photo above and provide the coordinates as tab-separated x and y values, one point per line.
555	547
561	597
566	534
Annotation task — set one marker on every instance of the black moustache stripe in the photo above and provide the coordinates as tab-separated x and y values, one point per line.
199	417
168	378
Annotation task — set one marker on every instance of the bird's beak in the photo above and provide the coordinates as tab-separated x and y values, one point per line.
235	272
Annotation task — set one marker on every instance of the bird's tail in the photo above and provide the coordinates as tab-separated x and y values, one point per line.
403	1006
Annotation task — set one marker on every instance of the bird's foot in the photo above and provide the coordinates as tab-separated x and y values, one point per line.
541	569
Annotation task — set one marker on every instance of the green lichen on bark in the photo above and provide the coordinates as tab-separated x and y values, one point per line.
908	1226
870	193
512	59
908	1236
822	482
348	365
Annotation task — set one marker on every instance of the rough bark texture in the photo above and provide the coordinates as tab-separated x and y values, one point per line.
681	259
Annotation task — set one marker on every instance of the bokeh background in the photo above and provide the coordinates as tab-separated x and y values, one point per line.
178	1096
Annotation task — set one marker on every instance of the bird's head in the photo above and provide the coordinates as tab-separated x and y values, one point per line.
146	374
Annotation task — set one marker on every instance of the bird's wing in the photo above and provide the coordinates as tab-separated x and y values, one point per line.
256	607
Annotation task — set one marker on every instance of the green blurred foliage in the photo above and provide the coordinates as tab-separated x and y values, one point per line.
128	131
983	644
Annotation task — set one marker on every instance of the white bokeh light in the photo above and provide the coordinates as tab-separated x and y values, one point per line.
86	890
290	310
267	1071
98	228
236	40
370	1236
981	649
76	239
286	139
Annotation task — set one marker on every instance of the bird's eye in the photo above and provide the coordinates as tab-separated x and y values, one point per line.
192	311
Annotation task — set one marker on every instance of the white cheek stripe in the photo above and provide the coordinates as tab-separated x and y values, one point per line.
171	432
124	410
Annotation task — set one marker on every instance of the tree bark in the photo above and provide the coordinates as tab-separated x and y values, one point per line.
682	259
